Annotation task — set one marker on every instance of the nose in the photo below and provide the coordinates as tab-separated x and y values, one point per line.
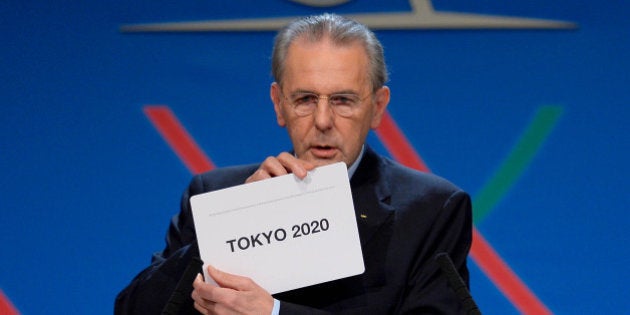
324	116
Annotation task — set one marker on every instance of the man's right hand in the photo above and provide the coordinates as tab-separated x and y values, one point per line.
284	163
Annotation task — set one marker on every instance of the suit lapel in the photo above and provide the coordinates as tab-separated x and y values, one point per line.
371	196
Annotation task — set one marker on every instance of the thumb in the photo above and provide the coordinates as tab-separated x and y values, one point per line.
228	280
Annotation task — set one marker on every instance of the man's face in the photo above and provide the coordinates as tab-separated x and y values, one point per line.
324	137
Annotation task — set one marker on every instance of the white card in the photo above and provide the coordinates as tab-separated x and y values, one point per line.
284	233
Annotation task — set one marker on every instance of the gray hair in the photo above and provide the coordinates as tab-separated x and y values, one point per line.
341	31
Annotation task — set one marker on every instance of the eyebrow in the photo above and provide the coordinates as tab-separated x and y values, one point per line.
300	91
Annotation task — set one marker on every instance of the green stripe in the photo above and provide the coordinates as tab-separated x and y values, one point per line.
516	163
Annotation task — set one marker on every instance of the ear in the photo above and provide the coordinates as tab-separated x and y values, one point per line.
380	105
276	98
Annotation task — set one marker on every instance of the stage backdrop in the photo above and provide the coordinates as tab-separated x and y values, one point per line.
529	116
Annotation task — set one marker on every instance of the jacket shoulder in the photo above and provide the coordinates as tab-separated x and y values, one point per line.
220	178
406	178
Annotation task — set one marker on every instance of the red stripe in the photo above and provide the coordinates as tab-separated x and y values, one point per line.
178	139
504	278
481	251
6	308
397	144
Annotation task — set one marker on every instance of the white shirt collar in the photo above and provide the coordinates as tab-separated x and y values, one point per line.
355	165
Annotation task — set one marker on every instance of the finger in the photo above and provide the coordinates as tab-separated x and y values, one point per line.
201	309
197	289
204	293
274	166
198	281
271	167
201	304
295	165
260	174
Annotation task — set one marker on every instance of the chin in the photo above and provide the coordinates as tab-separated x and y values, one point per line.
324	161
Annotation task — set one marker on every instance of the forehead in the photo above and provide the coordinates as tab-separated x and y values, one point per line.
323	65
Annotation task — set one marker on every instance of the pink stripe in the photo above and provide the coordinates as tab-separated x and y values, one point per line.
178	139
397	144
504	278
6	308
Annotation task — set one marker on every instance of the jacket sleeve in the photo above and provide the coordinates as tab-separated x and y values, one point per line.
150	290
427	288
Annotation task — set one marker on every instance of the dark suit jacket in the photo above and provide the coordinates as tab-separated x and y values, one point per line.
404	217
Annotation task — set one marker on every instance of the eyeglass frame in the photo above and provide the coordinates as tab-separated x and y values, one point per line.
358	100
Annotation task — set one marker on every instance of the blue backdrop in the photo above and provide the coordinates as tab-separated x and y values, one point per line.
88	185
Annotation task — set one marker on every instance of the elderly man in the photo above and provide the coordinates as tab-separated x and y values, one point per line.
329	91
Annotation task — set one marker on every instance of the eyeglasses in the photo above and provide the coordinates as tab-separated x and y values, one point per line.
342	104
